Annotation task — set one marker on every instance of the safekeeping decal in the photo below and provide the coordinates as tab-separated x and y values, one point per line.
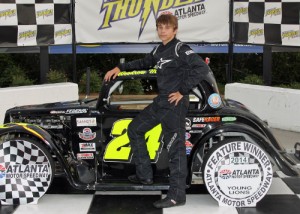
238	174
85	156
87	134
86	121
87	147
206	119
119	150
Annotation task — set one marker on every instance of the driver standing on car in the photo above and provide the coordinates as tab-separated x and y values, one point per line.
179	69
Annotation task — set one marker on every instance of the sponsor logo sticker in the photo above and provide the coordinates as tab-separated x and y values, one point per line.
77	111
214	100
85	156
87	134
198	125
188	124
206	119
87	121
87	147
228	119
187	135
238	174
188	147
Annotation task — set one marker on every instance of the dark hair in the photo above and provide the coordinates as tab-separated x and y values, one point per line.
167	19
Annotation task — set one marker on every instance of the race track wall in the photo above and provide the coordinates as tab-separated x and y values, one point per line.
36	94
280	107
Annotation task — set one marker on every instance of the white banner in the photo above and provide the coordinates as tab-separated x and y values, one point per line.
133	21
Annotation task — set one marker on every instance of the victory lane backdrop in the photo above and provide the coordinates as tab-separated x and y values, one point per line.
35	22
271	22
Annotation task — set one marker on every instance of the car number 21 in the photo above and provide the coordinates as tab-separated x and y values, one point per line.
119	150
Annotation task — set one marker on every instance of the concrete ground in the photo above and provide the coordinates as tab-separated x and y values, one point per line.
287	139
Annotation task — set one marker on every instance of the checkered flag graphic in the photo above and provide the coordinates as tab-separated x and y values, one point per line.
25	172
35	22
272	22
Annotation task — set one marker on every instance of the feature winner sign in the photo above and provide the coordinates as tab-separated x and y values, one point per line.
134	21
238	174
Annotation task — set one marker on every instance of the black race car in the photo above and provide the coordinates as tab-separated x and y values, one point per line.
227	146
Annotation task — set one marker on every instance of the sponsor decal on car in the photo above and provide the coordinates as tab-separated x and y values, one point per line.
85	156
198	125
228	119
206	119
87	147
187	135
188	124
87	134
188	147
214	100
77	111
57	112
195	131
238	174
86	121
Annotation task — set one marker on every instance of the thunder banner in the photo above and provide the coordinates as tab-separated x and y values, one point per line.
133	21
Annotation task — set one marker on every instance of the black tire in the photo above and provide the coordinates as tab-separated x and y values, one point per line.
26	170
237	173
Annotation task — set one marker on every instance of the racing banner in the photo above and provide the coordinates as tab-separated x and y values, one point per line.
272	22
133	21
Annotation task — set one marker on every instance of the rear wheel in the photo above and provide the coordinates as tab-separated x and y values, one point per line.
237	173
26	170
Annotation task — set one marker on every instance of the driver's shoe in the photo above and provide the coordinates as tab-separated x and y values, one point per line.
136	180
167	202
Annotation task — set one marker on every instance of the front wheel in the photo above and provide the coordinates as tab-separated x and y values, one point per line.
237	173
26	171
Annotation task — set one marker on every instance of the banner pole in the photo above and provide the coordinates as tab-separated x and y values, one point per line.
230	44
74	73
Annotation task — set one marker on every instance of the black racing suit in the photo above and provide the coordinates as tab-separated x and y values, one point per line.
178	69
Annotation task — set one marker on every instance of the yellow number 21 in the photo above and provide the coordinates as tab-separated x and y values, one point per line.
118	149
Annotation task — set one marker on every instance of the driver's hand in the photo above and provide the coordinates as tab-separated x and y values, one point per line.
175	97
112	74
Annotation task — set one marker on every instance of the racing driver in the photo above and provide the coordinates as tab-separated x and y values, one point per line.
179	69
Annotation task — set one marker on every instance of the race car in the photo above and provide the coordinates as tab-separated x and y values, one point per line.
228	148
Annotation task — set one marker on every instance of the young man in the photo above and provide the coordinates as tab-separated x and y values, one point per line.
179	69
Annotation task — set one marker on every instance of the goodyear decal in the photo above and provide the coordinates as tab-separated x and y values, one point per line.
8	13
119	150
291	34
117	10
63	33
136	73
44	13
273	12
256	32
241	11
27	34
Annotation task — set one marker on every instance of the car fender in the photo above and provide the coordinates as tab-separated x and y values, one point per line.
30	129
